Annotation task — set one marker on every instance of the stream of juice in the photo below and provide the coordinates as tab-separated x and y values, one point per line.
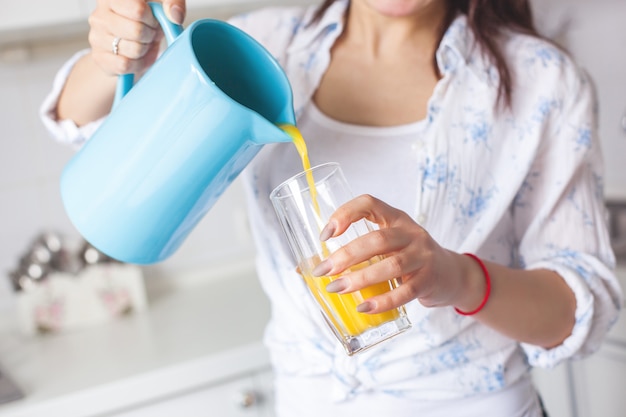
339	308
298	141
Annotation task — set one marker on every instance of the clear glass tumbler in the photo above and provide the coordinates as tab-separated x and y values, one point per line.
303	211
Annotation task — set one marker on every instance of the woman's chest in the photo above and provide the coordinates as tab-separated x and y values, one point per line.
377	93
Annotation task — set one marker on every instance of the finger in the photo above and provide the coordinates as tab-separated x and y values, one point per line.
378	270
388	301
362	207
125	47
114	64
119	64
378	242
384	270
106	22
135	10
353	255
175	10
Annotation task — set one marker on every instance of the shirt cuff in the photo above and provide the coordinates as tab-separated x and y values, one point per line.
65	131
582	341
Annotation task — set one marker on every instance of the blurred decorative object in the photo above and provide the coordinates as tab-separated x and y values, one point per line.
64	285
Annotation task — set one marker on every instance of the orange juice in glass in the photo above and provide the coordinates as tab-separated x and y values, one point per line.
303	209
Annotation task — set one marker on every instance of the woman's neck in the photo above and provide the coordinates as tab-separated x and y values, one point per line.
378	33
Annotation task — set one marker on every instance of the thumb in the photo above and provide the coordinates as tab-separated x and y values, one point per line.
175	10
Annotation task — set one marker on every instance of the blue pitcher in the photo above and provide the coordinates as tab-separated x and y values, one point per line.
176	140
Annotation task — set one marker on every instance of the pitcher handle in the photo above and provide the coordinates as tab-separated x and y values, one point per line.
171	31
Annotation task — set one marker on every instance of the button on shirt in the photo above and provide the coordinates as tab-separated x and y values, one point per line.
520	187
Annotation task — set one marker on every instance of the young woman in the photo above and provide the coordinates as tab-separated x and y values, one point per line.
463	132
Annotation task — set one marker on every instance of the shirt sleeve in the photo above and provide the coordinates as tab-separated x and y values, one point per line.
561	220
65	131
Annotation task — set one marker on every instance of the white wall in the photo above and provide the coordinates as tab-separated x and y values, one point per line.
31	163
594	32
597	38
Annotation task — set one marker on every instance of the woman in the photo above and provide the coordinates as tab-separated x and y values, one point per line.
465	132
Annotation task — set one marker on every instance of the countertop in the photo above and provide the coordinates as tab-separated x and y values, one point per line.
186	339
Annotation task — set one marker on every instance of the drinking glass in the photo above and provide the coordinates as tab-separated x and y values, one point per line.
303	210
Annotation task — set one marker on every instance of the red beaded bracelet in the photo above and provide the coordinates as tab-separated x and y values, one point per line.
487	290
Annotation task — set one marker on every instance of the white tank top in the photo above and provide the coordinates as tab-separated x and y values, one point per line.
396	161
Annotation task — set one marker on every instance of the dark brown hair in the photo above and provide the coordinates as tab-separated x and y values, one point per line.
488	20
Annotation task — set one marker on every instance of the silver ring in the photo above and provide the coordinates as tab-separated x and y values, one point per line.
116	46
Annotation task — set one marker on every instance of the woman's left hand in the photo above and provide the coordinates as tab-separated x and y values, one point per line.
429	273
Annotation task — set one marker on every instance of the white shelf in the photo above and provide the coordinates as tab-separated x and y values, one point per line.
33	13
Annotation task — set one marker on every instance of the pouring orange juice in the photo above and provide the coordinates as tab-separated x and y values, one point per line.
303	205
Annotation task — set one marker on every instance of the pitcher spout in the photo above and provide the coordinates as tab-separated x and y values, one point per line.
265	132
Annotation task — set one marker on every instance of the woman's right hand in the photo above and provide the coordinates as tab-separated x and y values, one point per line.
139	39
138	31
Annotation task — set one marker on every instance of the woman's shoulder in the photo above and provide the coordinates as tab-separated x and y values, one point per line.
541	63
548	82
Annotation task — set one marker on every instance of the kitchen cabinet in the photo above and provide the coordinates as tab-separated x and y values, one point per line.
555	387
600	381
249	396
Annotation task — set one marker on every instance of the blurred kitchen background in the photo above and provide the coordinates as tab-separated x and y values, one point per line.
36	38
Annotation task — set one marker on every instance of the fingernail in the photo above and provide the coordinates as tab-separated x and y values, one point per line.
327	231
177	13
365	307
322	268
337	285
